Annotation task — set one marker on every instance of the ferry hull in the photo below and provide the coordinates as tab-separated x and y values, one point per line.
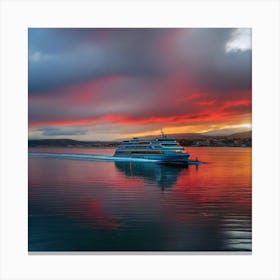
174	159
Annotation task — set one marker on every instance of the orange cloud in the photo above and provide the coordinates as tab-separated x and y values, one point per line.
206	116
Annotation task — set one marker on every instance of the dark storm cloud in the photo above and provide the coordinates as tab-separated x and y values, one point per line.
132	77
232	73
58	57
61	56
209	66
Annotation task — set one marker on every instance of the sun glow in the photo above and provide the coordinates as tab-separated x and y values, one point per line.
246	125
191	129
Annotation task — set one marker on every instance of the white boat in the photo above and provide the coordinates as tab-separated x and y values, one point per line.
162	149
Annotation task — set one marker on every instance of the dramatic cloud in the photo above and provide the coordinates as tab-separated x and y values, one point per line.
137	81
240	40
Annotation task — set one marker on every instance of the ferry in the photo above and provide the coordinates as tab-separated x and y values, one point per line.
162	149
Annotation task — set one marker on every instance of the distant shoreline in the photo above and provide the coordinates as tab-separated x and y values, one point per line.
205	142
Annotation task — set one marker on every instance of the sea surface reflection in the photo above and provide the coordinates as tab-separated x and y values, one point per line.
162	175
77	205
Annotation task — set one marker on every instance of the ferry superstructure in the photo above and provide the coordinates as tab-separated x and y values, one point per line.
163	149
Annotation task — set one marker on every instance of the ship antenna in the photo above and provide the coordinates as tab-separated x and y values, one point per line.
162	134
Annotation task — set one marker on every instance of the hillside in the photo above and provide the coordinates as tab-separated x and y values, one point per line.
199	136
177	136
246	134
185	139
69	143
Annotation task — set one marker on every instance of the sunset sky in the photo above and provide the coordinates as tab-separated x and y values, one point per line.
107	84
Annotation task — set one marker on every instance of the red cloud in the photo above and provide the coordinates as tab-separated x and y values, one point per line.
205	116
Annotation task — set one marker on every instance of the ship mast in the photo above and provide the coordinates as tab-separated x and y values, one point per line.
162	134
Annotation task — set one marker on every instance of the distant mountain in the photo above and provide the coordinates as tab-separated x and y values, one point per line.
201	136
225	131
245	134
69	143
176	136
184	138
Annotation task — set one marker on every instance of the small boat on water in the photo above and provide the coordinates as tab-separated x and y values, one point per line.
163	149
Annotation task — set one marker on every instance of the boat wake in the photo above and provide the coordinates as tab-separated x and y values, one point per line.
94	157
97	157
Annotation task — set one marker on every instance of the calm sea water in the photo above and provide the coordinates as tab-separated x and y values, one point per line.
79	205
